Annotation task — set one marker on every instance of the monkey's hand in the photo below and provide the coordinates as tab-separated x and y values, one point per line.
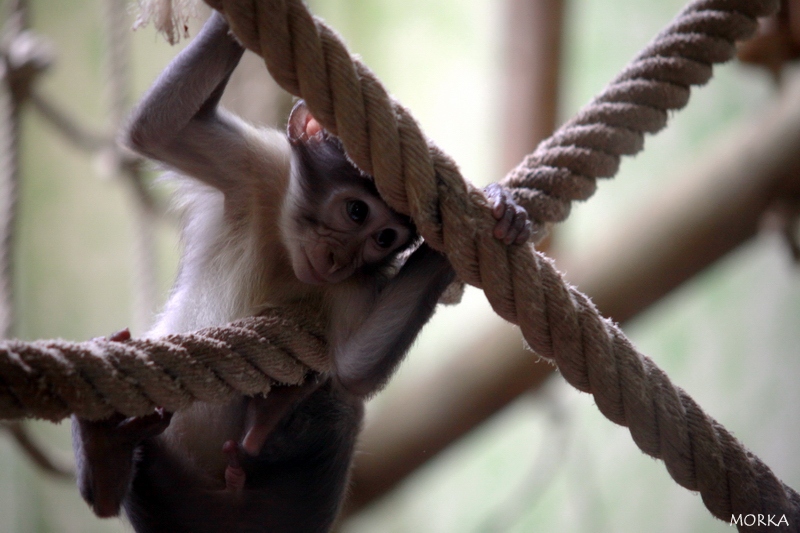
513	224
104	452
234	473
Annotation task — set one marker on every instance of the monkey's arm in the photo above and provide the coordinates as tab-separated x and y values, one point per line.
104	456
365	361
178	121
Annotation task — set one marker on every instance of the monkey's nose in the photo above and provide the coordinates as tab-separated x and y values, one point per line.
336	269
339	260
340	266
334	265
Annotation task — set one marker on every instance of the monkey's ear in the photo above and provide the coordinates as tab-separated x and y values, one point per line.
296	127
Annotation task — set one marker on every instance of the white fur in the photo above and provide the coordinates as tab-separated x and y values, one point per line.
216	268
222	269
223	275
216	275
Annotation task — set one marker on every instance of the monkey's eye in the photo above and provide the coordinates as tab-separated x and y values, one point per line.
357	211
386	238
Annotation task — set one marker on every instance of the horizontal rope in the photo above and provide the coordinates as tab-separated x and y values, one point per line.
52	379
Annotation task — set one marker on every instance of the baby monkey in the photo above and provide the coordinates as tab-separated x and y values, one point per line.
271	220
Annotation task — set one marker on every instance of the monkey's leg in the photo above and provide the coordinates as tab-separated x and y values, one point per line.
234	474
104	454
264	412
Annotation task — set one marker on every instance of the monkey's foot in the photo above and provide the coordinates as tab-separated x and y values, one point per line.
234	474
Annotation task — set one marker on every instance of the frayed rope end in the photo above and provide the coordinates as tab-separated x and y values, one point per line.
170	17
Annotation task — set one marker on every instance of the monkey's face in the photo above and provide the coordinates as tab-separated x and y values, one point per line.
333	221
332	234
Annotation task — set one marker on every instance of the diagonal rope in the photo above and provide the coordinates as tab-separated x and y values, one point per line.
308	59
564	167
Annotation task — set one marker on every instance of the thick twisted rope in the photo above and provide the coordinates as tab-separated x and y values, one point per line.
308	59
94	379
564	167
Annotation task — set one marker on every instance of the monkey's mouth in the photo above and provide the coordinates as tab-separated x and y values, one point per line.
309	274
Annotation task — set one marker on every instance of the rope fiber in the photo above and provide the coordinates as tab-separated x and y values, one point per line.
415	177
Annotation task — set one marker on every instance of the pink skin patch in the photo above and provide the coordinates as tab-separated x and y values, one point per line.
255	437
312	126
120	336
261	418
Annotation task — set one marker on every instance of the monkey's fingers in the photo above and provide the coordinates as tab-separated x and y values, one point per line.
120	336
234	474
504	229
513	224
522	228
139	428
514	227
498	199
499	202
